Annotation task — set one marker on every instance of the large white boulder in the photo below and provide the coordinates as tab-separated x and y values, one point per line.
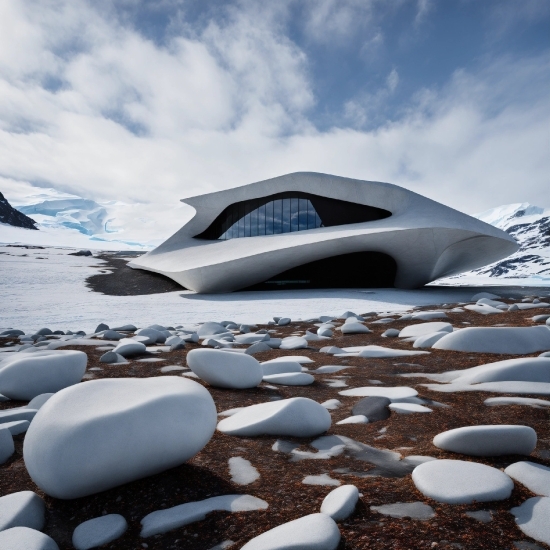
488	440
313	532
22	509
210	328
340	503
298	416
94	436
225	370
512	340
24	376
428	340
460	482
24	538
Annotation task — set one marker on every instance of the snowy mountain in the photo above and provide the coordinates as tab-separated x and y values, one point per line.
530	226
11	216
69	220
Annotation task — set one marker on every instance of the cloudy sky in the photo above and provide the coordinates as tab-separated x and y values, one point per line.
152	101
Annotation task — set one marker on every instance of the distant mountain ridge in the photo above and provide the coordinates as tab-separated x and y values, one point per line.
11	216
530	226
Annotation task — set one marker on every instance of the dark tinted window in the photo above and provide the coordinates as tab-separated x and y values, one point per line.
285	213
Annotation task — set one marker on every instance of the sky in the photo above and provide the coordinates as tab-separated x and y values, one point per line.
149	102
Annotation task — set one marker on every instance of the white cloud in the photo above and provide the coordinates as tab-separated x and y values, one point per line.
232	103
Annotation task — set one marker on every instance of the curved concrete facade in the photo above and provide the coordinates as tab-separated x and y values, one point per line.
426	239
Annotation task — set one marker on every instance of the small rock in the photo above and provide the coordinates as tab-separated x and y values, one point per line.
128	347
374	408
99	531
22	509
101	327
340	503
283	321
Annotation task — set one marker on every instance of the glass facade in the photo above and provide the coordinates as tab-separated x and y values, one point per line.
286	213
277	216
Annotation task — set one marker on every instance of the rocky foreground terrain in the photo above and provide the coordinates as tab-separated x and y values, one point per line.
354	402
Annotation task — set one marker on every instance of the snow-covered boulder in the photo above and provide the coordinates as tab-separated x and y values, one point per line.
128	347
460	482
428	340
512	340
24	538
210	328
532	518
488	440
354	328
425	328
94	436
99	531
22	509
225	370
298	416
293	342
340	503
313	532
535	477
280	366
25	376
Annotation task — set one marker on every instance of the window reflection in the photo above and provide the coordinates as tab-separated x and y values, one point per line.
274	217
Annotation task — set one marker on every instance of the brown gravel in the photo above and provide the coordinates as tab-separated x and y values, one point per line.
280	483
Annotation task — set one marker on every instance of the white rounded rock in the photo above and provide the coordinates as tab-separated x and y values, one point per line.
97	435
340	503
293	342
355	419
354	328
290	379
22	509
425	328
460	482
225	370
428	340
99	531
26	376
128	347
313	532
298	416
532	518
535	477
37	402
210	328
279	367
23	538
488	440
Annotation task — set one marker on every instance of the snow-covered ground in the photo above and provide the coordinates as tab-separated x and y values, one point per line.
47	287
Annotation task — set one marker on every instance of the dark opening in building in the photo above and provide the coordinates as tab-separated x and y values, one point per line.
285	213
355	270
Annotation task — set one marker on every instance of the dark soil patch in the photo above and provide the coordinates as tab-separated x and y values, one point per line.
280	484
125	281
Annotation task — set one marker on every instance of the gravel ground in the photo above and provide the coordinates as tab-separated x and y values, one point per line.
280	482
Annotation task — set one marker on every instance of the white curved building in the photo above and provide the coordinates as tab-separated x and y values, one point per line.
310	230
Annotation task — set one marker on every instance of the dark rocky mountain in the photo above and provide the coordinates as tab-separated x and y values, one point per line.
11	216
530	226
